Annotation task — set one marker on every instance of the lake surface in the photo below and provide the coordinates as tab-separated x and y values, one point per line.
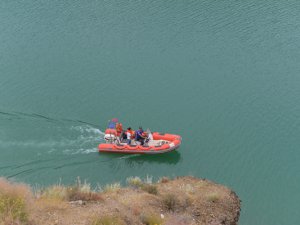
225	75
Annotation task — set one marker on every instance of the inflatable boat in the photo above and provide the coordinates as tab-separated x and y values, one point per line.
155	143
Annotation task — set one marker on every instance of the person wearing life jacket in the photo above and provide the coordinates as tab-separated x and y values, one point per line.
119	128
129	133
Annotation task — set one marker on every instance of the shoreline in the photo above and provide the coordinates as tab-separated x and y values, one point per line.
182	200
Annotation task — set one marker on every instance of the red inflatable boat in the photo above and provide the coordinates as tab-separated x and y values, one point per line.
155	143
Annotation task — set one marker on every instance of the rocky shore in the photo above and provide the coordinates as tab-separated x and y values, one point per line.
184	200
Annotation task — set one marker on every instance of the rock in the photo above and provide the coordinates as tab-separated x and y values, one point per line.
79	202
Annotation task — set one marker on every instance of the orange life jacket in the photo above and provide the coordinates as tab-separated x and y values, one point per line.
119	128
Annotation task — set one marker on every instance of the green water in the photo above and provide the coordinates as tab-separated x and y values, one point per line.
225	75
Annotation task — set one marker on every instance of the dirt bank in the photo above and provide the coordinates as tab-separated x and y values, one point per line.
184	200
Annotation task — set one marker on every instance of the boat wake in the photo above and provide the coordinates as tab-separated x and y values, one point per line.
42	134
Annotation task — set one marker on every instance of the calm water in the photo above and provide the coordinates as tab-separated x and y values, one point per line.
223	74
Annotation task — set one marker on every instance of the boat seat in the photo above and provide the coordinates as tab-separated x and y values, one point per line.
154	142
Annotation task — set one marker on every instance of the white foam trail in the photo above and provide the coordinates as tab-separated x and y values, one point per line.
87	129
51	138
80	151
83	140
88	136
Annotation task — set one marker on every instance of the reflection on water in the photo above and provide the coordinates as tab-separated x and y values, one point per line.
120	161
167	158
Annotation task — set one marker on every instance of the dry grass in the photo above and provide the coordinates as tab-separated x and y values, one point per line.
187	188
15	202
151	219
107	220
112	187
181	219
145	185
56	192
213	197
184	200
79	191
135	182
75	194
49	204
163	180
170	202
150	188
82	191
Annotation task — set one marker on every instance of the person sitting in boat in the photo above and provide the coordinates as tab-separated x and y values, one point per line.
148	137
119	128
129	133
140	135
123	136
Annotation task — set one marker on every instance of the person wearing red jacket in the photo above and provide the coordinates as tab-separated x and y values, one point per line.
119	128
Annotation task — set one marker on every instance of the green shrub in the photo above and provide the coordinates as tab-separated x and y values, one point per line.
147	186
170	201
213	197
151	219
150	188
13	202
13	208
134	182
